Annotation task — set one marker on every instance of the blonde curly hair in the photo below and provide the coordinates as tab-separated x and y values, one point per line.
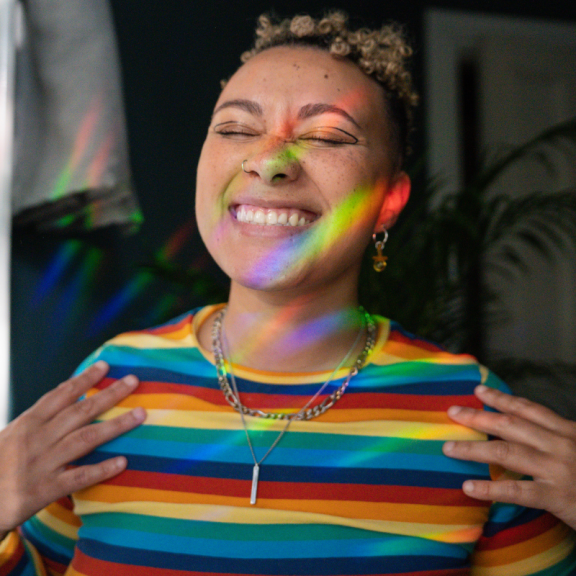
382	54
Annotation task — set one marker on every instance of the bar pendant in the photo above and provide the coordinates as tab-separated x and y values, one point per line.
255	473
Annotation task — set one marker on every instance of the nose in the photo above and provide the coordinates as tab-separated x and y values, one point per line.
275	165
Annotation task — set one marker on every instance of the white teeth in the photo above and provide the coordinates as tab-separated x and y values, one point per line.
259	217
270	218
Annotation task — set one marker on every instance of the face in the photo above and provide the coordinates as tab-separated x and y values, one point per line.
294	175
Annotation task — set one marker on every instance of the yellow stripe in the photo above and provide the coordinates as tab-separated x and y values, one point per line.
183	402
391	512
530	565
58	525
230	421
72	572
256	515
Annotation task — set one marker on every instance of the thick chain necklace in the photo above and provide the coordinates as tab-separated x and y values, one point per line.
305	413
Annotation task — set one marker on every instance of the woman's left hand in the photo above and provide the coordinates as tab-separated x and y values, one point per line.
533	440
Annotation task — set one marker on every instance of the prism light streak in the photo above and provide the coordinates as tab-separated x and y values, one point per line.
352	212
80	146
55	270
72	302
140	282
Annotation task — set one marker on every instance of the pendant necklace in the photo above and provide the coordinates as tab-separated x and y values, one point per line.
305	413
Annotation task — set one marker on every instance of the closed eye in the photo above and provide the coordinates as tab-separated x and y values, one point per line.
328	137
234	130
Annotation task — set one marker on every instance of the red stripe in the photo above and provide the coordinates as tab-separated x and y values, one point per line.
11	563
66	502
349	401
518	534
300	491
164	329
396	336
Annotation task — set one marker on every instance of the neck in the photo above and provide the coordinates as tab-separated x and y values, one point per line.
298	334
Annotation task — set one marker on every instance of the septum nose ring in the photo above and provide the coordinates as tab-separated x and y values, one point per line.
243	169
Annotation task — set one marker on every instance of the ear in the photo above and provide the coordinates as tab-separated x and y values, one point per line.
395	199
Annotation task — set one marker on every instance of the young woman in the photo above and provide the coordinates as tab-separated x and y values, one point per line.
290	431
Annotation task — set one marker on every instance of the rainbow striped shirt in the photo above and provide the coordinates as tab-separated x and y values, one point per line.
362	489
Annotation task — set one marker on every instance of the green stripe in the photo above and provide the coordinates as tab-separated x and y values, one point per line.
227	531
49	535
298	440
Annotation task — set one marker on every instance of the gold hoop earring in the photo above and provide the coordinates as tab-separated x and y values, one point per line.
380	259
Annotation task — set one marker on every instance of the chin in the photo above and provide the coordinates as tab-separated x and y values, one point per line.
267	278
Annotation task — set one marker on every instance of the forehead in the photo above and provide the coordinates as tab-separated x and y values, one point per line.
289	77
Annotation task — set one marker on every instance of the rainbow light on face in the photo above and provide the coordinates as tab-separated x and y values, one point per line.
354	212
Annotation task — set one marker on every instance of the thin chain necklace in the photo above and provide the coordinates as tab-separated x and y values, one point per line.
305	413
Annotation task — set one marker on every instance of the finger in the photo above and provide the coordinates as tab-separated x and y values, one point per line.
82	477
68	392
86	410
506	426
84	440
522	492
516	457
526	409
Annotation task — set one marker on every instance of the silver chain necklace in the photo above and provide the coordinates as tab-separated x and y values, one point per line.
305	413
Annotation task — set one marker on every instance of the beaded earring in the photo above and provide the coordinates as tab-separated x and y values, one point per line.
380	259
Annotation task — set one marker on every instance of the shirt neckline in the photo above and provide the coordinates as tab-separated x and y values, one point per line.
265	376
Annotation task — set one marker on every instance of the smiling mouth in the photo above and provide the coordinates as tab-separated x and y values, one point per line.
272	216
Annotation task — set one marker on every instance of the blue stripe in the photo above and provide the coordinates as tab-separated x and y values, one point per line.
284	566
385	547
238	453
273	473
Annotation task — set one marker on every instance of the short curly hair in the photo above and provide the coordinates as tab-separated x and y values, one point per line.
382	54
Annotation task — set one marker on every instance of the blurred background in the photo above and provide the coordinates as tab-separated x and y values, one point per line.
492	77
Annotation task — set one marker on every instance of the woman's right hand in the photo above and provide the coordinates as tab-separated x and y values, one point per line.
37	446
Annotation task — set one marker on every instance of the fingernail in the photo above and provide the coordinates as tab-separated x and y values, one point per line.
139	413
449	446
481	388
120	462
130	380
100	365
454	410
468	486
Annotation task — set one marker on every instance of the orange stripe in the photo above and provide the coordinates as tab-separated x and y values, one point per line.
58	511
183	402
417	513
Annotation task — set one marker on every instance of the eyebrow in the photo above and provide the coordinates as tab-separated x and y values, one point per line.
307	111
310	110
247	105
